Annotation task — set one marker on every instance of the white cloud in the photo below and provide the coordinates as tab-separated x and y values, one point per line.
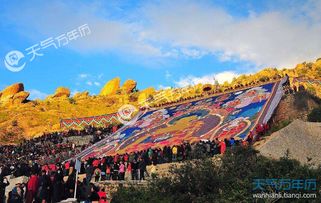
271	38
83	75
37	94
89	79
74	92
175	29
107	34
225	76
193	53
206	79
162	87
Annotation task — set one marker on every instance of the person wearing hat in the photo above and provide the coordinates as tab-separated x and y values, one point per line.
3	184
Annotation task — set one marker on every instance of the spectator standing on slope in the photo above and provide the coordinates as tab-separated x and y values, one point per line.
3	184
174	152
222	147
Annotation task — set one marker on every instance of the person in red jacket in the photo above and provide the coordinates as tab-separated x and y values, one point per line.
96	163
45	168
67	167
222	147
32	188
52	167
259	129
116	158
126	159
266	127
102	194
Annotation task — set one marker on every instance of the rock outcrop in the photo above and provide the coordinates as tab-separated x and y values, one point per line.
20	97
61	92
129	86
13	94
10	91
111	87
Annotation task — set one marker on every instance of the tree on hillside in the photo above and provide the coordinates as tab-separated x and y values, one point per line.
315	115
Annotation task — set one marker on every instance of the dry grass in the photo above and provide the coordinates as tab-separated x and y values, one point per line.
37	117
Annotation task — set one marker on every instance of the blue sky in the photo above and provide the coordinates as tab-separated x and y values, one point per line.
157	43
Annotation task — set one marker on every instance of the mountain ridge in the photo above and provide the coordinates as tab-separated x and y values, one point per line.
22	118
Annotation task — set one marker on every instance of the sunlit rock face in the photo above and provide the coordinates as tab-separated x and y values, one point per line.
62	92
128	86
111	87
143	96
9	92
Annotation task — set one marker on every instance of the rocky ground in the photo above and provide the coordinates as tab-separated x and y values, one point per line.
295	106
302	140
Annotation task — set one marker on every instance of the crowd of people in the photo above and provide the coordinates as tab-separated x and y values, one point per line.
133	166
42	160
44	187
47	183
39	159
49	148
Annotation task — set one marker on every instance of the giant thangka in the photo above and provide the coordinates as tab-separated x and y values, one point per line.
225	116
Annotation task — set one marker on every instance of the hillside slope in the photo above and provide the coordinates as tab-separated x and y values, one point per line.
295	106
22	118
300	140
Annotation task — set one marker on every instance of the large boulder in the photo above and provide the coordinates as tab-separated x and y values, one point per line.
10	91
62	92
144	95
20	97
129	86
111	87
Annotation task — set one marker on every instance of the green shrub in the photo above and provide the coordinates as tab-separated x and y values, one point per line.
315	115
203	180
300	100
